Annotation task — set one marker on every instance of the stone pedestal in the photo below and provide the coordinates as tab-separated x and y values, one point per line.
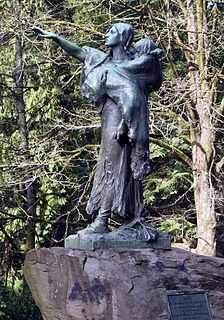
119	284
112	241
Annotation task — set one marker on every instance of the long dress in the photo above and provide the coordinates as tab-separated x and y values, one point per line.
122	165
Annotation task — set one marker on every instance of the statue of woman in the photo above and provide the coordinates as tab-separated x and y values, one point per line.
123	160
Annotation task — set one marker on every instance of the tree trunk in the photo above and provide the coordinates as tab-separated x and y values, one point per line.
203	188
202	132
29	183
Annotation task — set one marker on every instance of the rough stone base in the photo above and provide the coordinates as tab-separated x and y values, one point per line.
119	284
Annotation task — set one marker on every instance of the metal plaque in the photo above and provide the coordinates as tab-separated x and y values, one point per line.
188	306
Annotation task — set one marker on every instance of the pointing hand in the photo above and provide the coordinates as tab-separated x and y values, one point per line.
43	33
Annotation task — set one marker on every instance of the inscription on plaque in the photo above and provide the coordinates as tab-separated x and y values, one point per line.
189	306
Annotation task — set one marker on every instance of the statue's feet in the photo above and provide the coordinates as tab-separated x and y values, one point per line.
97	226
137	229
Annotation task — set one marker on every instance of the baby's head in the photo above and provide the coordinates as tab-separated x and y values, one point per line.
146	46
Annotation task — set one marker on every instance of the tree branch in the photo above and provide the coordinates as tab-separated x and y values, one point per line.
178	153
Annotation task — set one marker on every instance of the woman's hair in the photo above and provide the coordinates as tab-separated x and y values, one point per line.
127	33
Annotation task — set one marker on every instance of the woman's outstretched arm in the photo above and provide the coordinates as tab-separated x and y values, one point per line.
71	48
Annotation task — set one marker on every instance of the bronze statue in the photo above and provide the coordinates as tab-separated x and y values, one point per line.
119	82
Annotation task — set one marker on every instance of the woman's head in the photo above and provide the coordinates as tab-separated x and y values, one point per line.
120	33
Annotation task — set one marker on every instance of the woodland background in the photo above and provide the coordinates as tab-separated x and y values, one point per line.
50	134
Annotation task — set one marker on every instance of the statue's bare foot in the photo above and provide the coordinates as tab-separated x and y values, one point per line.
98	226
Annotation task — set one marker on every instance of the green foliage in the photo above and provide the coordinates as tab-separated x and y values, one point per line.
178	227
17	305
157	152
169	179
160	189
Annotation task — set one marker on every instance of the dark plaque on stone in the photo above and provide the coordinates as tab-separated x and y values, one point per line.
188	306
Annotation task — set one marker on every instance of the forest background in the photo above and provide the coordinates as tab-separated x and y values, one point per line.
50	134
